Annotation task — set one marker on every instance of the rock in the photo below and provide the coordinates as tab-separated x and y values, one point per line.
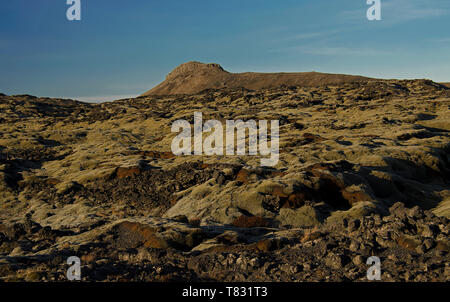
243	176
195	238
398	210
335	261
430	231
254	262
13	232
268	245
416	213
53	181
33	276
408	242
127	172
132	235
421	249
354	225
195	222
354	246
311	236
409	276
156	242
354	197
306	216
181	218
443	246
250	222
429	244
16	252
358	260
345	223
89	258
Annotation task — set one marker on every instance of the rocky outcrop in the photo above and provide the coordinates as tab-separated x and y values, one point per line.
194	77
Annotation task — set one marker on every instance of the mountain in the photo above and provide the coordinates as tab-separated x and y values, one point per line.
193	77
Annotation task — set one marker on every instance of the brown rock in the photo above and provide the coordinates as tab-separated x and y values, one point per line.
311	236
279	192
89	258
127	172
52	181
133	234
195	221
157	154
443	246
243	176
156	242
354	197
268	245
295	201
250	222
407	243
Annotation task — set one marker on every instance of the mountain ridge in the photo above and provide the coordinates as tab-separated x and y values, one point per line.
194	77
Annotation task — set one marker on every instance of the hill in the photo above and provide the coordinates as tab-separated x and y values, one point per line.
194	77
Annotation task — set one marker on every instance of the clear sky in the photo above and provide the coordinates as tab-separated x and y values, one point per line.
123	48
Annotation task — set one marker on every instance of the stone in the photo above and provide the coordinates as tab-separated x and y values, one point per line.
429	243
430	231
127	172
250	222
354	225
354	246
268	245
180	218
334	261
358	260
398	210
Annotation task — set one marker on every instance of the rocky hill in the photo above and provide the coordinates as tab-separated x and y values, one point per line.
193	77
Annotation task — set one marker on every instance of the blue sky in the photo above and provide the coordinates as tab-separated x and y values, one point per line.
123	48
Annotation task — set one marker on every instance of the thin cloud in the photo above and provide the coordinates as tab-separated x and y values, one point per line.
308	36
335	51
440	40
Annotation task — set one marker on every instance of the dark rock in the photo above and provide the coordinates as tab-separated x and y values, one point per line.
250	222
430	231
398	210
354	225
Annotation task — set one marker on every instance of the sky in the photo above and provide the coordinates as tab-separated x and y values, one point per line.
121	49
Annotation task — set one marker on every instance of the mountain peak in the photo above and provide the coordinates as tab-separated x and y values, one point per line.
194	68
194	77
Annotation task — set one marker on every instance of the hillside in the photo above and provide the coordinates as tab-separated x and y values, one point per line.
194	77
363	170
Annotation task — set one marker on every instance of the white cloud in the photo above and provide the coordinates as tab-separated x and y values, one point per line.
310	35
334	51
440	40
